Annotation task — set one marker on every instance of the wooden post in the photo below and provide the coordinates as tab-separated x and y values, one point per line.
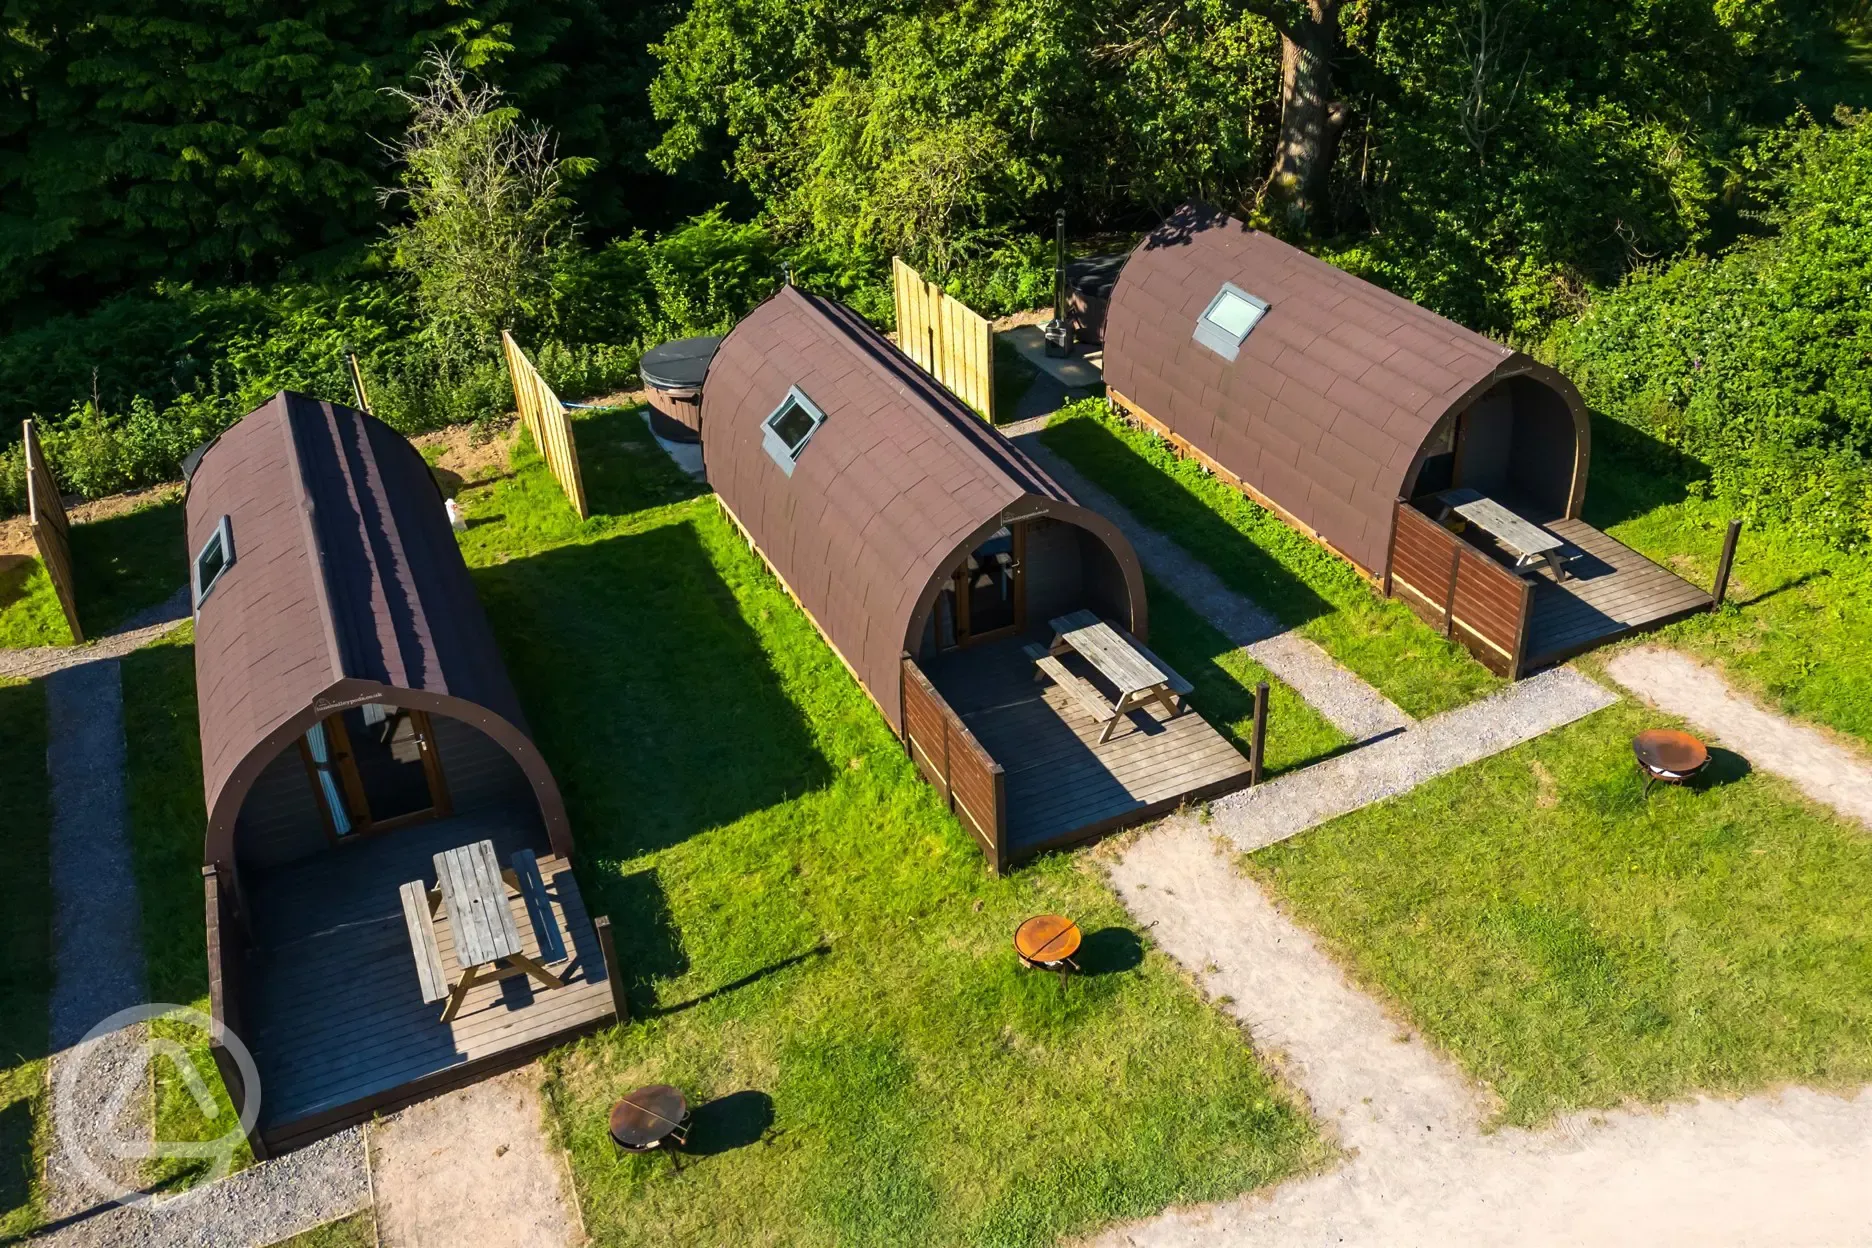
607	944
357	383
1449	596
1000	862
1257	744
1724	564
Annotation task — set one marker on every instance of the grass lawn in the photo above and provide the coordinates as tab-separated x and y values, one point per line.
357	1231
167	822
25	955
1574	947
807	931
30	614
1013	374
1798	629
1303	585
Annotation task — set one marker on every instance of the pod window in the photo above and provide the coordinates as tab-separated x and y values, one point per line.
213	560
790	428
1229	319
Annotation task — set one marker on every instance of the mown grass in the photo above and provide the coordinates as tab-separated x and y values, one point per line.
1797	632
127	563
163	786
357	1231
1013	374
30	614
804	925
1575	946
1255	553
25	956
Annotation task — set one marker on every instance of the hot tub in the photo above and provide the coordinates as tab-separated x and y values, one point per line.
1089	285
673	375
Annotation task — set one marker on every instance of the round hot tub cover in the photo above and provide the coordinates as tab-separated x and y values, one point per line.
678	365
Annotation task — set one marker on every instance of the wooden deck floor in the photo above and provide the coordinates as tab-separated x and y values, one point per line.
338	1026
1062	785
1611	591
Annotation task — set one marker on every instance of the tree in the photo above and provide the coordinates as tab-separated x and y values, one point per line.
1312	118
487	208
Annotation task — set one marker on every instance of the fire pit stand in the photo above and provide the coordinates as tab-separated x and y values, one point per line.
1668	755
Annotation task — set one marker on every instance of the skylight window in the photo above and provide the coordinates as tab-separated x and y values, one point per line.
1228	319
213	560
790	428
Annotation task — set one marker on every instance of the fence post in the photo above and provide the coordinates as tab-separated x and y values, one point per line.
1723	566
357	384
607	945
1449	596
1257	744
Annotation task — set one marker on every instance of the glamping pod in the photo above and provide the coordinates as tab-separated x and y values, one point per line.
1449	469
356	721
932	555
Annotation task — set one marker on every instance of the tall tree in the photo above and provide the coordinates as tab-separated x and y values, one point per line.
1312	117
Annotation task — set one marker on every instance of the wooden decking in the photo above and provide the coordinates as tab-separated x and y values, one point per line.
1611	591
1062	785
338	1025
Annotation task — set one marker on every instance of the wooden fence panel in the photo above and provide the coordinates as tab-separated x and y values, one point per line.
546	420
51	529
950	340
972	784
1458	589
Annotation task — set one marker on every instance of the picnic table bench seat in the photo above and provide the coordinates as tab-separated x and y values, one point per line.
532	890
1089	699
422	938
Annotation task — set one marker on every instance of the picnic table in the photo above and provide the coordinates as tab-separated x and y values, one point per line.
1140	677
471	890
1531	545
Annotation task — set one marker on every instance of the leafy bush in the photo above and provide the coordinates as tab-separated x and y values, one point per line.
1759	361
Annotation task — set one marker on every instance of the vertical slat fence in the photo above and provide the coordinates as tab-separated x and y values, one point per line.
1456	588
51	529
951	341
973	785
546	420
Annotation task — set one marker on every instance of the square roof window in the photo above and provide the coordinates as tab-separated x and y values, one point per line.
1228	319
212	561
790	428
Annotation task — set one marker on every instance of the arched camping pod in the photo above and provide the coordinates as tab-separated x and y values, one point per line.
356	720
930	551
1364	420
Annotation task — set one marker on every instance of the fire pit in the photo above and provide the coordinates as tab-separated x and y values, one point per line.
1047	942
673	374
651	1118
1668	755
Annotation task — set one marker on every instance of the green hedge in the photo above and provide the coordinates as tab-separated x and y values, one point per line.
1758	362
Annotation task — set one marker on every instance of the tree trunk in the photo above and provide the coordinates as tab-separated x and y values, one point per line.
1311	120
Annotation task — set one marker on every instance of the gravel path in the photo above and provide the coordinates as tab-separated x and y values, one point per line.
1299	800
472	1167
97	929
1820	767
1352	706
138	631
261	1205
1784	1168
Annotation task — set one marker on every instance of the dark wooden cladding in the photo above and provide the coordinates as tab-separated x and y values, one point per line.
951	759
1460	590
227	952
1327	413
886	498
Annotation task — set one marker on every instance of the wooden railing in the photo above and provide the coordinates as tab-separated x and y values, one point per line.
1460	590
227	952
953	342
51	530
546	420
951	759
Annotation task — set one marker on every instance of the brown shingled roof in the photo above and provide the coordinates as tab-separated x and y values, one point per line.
1334	392
897	485
347	586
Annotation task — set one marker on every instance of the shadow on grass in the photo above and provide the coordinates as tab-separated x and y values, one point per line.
1169	506
648	944
1109	951
1633	474
1725	767
753	977
127	563
16	1155
729	1122
15	573
642	476
648	692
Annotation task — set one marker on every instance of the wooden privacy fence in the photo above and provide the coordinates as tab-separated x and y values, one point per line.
51	530
951	759
546	420
954	343
1462	591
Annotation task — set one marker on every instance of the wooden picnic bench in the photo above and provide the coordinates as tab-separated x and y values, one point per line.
1140	677
471	889
1531	545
